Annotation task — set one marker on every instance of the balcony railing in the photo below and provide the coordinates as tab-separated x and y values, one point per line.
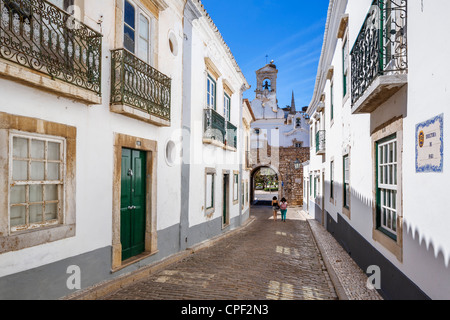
231	139
38	35
218	129
137	84
381	46
214	126
320	141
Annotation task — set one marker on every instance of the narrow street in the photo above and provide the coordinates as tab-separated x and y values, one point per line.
267	260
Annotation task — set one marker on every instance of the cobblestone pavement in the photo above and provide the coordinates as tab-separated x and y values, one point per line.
350	277
268	260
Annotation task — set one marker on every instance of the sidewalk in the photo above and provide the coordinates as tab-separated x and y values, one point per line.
349	280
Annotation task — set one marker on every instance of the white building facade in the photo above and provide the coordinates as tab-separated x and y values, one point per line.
280	136
99	112
376	174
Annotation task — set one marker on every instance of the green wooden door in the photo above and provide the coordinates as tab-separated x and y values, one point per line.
132	203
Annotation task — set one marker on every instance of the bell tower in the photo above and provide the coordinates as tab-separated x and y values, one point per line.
266	82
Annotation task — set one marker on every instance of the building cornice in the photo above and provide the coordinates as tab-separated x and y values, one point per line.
336	10
200	7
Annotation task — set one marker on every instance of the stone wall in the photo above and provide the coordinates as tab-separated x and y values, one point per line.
292	178
282	161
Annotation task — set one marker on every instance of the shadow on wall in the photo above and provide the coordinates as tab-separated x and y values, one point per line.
361	204
422	262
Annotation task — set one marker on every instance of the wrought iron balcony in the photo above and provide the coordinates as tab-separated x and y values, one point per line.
379	59
320	142
38	35
135	83
214	126
231	139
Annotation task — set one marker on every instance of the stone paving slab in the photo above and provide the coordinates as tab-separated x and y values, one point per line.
268	260
350	281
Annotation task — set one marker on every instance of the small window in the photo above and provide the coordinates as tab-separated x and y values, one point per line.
136	32
345	58
235	187
332	179
209	190
346	182
226	104
298	122
332	100
211	92
298	144
170	152
36	181
173	44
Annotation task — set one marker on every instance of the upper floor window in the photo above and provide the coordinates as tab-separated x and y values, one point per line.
62	4
332	100
136	31
211	92
227	107
345	64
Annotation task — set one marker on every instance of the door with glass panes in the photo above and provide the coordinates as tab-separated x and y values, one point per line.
136	31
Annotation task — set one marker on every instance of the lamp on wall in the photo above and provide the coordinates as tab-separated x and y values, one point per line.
297	164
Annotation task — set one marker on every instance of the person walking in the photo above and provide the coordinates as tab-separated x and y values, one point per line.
276	207
283	209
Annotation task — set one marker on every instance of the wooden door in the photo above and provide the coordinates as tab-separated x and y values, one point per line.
133	203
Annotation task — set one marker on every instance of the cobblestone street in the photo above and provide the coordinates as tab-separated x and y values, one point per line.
265	261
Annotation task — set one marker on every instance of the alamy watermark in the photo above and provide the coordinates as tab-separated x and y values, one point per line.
374	280
74	280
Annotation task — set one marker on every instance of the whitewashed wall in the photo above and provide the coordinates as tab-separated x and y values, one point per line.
96	126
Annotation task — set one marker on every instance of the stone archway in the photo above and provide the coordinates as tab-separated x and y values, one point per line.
265	196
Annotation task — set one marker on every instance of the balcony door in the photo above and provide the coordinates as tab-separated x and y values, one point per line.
136	31
62	4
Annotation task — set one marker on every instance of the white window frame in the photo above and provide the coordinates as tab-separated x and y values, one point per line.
235	187
211	92
387	167
210	172
138	12
346	182
27	183
227	107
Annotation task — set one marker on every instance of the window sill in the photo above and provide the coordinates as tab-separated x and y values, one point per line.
346	212
209	211
31	238
388	243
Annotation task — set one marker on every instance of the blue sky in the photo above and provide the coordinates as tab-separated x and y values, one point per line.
290	32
